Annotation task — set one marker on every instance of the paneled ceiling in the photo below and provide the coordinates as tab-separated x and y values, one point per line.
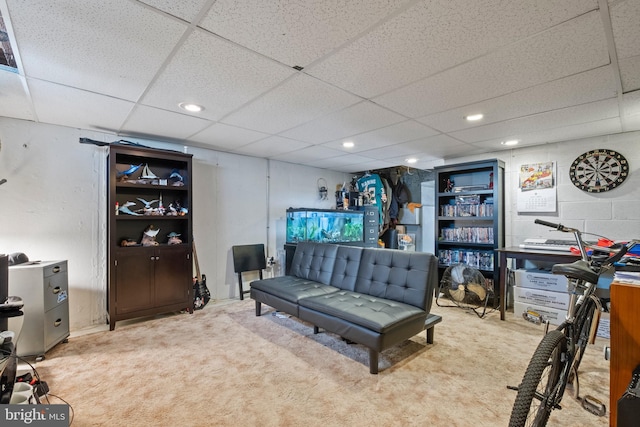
292	80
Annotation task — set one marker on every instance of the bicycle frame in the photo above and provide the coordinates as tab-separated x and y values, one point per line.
572	332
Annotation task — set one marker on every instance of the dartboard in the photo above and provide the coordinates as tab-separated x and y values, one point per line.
599	170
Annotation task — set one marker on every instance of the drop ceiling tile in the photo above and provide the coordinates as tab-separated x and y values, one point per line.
367	166
105	47
362	117
430	147
630	73
308	154
435	35
631	103
298	100
343	160
271	146
183	9
226	137
389	135
16	102
581	88
66	106
213	73
294	32
626	31
509	129
572	47
566	133
152	121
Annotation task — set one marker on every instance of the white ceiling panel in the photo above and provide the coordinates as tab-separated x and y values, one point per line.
592	85
77	108
271	146
574	47
183	9
108	47
395	77
626	36
508	129
214	73
566	133
298	100
630	73
427	39
293	32
424	147
15	102
343	160
308	154
162	122
631	103
362	117
389	135
227	137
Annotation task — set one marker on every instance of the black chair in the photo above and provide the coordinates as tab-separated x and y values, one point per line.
248	258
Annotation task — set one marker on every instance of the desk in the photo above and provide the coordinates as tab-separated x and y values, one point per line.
520	255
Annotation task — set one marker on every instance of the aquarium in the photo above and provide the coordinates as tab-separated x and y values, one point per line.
324	226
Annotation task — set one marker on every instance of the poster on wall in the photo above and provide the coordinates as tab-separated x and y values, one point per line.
536	188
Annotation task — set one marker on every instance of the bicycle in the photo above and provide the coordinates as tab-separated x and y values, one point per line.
554	365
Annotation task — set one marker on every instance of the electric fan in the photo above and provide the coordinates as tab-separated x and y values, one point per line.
464	287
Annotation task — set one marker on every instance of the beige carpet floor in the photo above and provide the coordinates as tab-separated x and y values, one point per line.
223	366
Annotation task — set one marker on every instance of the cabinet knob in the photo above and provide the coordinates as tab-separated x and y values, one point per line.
56	269
56	290
57	323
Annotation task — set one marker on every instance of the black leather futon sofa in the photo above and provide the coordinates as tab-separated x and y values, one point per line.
374	297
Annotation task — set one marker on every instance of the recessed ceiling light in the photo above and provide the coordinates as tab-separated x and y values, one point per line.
348	144
474	117
192	108
411	160
510	142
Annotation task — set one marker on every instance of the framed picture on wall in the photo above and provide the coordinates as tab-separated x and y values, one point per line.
536	188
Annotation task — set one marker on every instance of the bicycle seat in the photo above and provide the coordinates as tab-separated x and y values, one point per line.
576	270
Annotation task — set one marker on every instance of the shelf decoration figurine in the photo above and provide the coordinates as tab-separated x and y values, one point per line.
125	209
149	236
125	174
147	174
148	208
174	238
176	178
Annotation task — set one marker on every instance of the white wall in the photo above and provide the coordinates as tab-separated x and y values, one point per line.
614	214
53	207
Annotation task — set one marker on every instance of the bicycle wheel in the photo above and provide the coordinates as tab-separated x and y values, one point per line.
536	393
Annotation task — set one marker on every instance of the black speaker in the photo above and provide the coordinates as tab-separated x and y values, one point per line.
629	403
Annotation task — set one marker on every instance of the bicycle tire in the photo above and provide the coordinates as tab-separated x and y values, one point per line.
531	407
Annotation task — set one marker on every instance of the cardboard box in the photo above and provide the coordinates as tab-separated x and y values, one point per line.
555	316
541	297
541	279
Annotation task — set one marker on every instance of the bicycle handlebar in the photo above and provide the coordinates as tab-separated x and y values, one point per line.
559	227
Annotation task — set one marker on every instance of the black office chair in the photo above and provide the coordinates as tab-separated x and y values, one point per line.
248	258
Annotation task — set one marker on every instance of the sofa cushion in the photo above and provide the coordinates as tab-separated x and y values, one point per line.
345	269
292	288
402	276
376	314
314	261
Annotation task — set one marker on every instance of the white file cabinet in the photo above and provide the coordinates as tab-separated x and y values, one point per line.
43	287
